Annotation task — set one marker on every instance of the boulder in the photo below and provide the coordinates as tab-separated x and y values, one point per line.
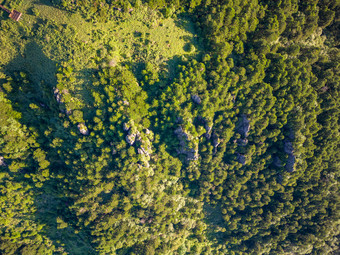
57	95
83	129
2	161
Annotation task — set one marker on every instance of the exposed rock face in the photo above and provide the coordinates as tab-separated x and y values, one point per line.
191	153
196	99
83	129
243	126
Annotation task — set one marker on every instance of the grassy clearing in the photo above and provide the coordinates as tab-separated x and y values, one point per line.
143	34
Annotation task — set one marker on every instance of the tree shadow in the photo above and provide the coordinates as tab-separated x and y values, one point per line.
30	89
185	22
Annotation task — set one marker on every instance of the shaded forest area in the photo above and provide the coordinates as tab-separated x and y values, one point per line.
115	142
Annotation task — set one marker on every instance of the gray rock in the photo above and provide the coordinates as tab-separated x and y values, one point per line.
243	126
130	138
2	161
196	99
126	127
143	151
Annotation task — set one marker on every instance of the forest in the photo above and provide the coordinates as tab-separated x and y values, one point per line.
184	127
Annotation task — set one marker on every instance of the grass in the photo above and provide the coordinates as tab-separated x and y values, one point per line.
144	30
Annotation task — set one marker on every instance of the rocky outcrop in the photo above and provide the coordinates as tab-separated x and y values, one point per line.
133	134
184	148
243	126
196	99
83	129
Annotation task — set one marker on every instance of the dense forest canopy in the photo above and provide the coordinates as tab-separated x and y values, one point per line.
170	127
